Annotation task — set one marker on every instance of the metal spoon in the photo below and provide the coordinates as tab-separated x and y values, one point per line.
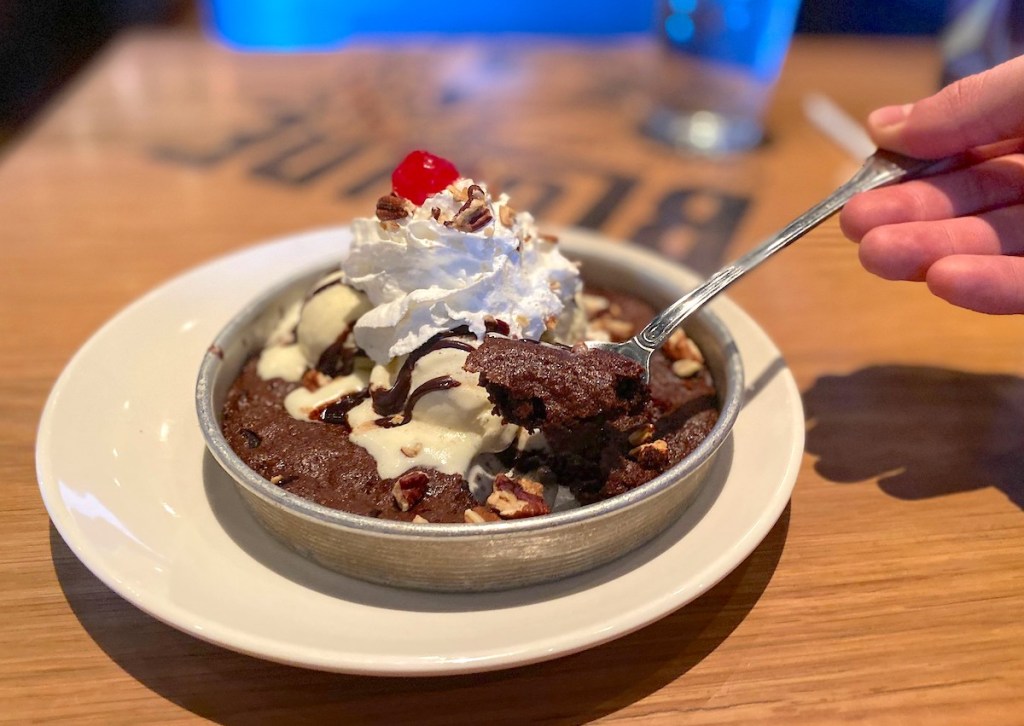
880	169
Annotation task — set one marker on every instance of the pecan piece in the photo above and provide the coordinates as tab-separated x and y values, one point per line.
390	207
311	379
616	329
686	368
409	489
680	347
478	515
652	455
474	214
641	435
506	215
517	498
411	450
594	305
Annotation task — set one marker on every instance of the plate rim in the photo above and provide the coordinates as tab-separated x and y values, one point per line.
326	658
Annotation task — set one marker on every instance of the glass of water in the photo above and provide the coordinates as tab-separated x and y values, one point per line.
718	65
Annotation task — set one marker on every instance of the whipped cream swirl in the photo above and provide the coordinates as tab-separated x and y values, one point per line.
462	258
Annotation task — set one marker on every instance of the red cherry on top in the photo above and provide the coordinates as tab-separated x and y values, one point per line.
421	174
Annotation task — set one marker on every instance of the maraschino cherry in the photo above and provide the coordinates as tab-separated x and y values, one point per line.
421	174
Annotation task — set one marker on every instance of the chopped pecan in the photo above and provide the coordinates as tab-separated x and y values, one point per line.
409	489
652	455
412	450
594	305
517	498
493	325
641	435
616	329
478	515
680	347
474	213
686	368
695	353
311	379
506	215
390	207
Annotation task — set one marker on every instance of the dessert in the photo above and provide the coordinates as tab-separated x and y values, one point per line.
434	377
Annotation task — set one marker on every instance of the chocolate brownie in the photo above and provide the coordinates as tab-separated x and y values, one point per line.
606	432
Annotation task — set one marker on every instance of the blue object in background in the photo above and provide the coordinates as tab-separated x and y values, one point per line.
324	24
280	24
754	34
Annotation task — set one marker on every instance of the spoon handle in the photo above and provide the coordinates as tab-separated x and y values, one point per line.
881	168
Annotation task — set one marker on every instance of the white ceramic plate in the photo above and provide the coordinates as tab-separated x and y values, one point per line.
125	477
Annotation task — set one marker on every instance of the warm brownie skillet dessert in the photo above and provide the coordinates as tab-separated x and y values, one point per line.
434	376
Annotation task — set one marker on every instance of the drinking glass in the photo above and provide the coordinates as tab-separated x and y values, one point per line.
718	64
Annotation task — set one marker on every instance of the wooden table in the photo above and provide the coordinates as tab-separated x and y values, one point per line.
892	588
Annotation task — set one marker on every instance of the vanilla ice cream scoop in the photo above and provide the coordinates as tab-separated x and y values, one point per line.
315	333
428	412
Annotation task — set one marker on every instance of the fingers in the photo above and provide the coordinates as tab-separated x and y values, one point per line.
974	111
986	284
985	186
908	251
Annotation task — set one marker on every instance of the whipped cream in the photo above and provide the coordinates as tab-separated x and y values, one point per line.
423	276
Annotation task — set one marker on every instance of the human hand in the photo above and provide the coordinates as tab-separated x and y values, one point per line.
962	232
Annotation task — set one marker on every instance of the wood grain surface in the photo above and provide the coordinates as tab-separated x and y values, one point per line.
892	588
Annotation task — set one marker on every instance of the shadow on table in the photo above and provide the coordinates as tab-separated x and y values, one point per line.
229	688
921	431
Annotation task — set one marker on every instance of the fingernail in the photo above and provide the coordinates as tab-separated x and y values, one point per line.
889	116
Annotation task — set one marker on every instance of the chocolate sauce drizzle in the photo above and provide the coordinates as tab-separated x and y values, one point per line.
441	383
337	359
333	280
394	405
390	401
337	412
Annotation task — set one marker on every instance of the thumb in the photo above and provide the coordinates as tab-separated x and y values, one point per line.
973	111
